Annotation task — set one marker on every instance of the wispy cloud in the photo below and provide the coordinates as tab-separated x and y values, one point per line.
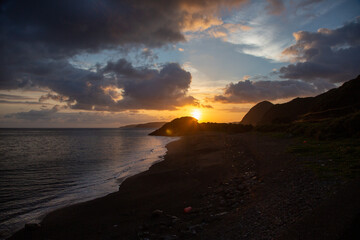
22	102
14	97
260	41
236	109
264	28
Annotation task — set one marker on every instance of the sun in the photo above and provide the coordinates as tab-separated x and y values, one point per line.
196	113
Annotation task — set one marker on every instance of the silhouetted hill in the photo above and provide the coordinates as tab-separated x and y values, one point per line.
256	113
145	125
287	112
348	95
327	114
334	103
178	127
189	125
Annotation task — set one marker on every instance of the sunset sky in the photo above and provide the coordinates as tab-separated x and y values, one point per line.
108	63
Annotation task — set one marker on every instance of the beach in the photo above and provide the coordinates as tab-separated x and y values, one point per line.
46	169
215	186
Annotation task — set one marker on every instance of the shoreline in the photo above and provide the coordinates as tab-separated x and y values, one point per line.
240	185
137	162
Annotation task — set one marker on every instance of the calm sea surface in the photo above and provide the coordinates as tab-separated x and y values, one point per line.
44	169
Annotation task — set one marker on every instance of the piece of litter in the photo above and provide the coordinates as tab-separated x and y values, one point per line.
187	209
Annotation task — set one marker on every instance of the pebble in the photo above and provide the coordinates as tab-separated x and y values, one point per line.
220	214
169	237
157	213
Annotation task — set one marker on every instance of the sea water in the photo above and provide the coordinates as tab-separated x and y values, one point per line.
45	169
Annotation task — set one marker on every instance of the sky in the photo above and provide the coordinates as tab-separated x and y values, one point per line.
108	63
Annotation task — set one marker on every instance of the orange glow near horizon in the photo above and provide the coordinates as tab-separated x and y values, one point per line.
196	113
219	113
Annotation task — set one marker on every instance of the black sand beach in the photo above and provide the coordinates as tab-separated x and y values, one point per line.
239	186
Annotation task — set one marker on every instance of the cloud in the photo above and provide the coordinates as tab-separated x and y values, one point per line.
14	97
150	89
322	58
257	40
118	86
34	115
67	27
199	105
254	91
21	102
56	118
17	99
42	37
269	34
224	30
236	109
275	7
325	54
307	3
55	97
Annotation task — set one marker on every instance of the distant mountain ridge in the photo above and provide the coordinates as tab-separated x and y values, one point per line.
145	125
333	103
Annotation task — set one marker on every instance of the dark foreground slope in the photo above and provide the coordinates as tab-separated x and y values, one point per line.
239	186
334	103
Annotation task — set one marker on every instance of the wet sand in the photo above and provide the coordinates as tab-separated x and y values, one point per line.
239	186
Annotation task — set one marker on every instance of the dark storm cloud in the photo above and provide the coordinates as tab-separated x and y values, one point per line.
251	91
148	88
48	29
70	26
326	54
38	38
91	25
116	87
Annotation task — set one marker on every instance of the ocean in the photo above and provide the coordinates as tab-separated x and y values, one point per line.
45	169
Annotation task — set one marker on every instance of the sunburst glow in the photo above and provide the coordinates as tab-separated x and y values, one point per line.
196	113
